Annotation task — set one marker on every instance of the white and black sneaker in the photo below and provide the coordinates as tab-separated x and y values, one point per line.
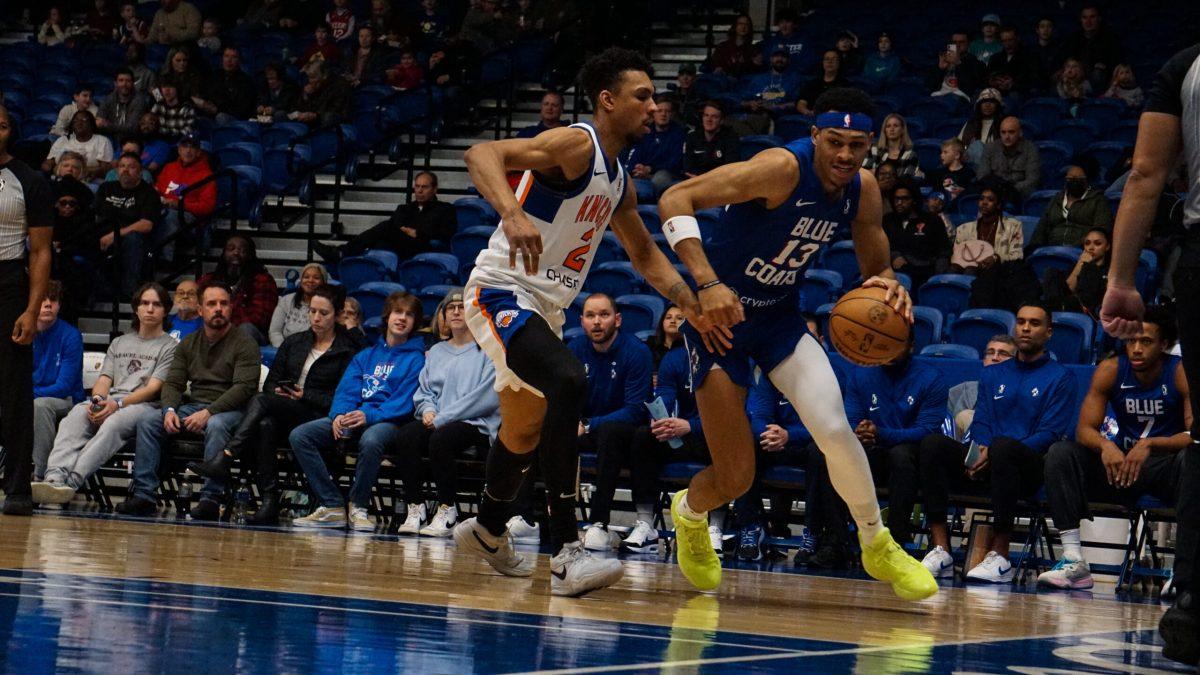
524	533
575	571
443	522
413	520
643	539
495	551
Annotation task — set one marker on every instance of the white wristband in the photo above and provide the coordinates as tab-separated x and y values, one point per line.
679	228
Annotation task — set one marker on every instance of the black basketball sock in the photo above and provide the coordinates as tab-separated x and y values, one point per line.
504	472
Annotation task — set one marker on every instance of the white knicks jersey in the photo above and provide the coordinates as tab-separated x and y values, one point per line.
571	224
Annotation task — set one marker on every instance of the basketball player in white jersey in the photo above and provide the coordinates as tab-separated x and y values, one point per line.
572	188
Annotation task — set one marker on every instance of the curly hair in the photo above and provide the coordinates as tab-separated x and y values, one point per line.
846	100
603	71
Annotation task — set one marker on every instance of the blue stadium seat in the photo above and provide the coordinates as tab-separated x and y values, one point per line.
390	260
609	250
840	258
469	241
1076	133
240	154
967	205
1043	112
432	296
929	153
950	351
645	190
974	327
613	278
649	214
928	109
277	177
1028	227
249	193
475	212
750	146
949	293
1145	278
905	281
427	269
1037	202
927	326
947	129
371	296
1102	113
1053	257
354	271
640	312
1125	132
236	132
572	333
819	287
266	355
1106	153
1054	155
791	127
573	313
822	318
707	219
679	473
660	240
283	133
1071	341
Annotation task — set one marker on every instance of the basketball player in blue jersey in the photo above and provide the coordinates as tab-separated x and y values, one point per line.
571	189
784	206
1147	390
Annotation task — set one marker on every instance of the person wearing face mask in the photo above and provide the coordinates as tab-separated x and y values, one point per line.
1072	212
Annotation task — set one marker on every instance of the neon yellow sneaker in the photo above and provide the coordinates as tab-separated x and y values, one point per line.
694	550
884	560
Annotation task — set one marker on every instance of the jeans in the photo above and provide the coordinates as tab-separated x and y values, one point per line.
80	448
310	439
47	412
132	256
150	436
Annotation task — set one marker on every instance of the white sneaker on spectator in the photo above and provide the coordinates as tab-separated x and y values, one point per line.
495	551
718	539
322	517
939	562
643	539
1067	575
414	520
595	537
52	493
443	522
574	571
995	569
359	520
524	533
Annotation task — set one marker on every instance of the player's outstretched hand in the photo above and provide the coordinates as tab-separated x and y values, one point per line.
1121	312
717	339
721	306
523	238
897	295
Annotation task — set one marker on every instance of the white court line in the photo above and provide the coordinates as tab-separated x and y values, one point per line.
414	615
75	598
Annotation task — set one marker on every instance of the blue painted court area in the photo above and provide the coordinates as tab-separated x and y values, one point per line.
52	623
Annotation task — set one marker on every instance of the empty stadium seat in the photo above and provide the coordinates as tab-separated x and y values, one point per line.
1076	133
1028	227
640	312
236	132
608	250
432	296
949	293
974	327
1071	341
469	241
371	296
389	258
1145	278
475	212
281	169
927	326
750	146
354	271
427	269
1054	155
840	258
929	153
649	214
1102	114
240	154
1043	112
1036	204
950	351
573	333
1053	257
613	278
819	287
283	133
791	127
573	313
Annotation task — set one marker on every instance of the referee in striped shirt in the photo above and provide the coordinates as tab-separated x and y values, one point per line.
1170	123
26	209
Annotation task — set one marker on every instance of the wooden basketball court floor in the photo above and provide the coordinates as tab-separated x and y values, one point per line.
90	593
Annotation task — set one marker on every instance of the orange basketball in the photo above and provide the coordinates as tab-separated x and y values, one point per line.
865	329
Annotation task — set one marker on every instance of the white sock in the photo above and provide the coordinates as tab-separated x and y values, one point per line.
686	511
717	518
645	513
1071	548
870	527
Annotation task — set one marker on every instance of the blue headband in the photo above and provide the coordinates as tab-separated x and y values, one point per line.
837	120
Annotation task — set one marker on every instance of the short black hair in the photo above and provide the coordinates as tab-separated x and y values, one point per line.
1162	317
603	71
846	100
1040	305
82	87
786	14
123	71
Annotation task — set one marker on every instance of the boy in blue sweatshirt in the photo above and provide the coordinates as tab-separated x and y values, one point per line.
658	157
618	368
892	408
372	402
1025	404
57	375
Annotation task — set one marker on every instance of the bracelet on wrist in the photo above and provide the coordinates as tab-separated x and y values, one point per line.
708	285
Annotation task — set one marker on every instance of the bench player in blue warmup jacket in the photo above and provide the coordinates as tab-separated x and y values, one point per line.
784	206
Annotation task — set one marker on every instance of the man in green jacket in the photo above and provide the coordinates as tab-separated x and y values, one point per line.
214	373
1071	213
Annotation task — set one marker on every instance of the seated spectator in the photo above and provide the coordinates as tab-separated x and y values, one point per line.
323	48
291	315
324	100
408	74
392	29
1095	46
991	248
263	15
983	127
177	21
187	319
51	33
710	146
213	374
95	149
954	177
351	319
80	100
1148	393
831	78
849	53
988	42
448	78
550	116
210	36
254	294
736	55
686	96
410	229
298	389
666	335
658	156
57	374
190	168
229	93
131	28
70	165
882	68
935	206
886	174
131	206
786	37
433	26
619	369
1014	161
175	115
123	108
277	97
767	94
125	394
920	245
300	16
1071	84
1076	209
958	72
484	28
373	400
189	80
144	78
342	23
895	144
101	21
1025	405
1083	288
1047	51
1012	70
964	396
364	61
456	409
1124	87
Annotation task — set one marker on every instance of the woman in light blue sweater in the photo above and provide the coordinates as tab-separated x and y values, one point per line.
456	408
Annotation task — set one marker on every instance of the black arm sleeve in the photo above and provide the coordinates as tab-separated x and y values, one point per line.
1166	96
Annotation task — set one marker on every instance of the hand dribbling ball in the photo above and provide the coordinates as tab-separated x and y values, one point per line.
866	330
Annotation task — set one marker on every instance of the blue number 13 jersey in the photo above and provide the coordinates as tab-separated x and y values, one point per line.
762	253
